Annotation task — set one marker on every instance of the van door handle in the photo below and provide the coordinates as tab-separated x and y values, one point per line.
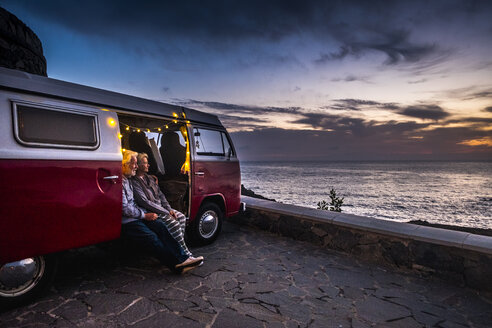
111	178
200	174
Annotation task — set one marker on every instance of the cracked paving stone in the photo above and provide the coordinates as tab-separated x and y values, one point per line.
356	323
167	319
145	288
257	311
296	291
219	303
177	305
218	279
334	321
300	312
73	310
353	293
231	319
407	322
170	293
140	310
199	316
29	317
202	290
329	291
190	283
353	279
109	303
278	299
375	310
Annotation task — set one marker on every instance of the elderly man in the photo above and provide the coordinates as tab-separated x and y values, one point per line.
145	230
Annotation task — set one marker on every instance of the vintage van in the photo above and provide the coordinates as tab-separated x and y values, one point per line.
60	170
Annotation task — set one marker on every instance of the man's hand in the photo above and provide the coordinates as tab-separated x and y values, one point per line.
150	216
173	214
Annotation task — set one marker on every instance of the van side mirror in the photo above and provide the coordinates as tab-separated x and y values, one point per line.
229	153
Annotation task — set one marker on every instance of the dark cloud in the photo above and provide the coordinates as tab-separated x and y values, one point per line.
396	45
469	93
479	120
359	104
488	109
425	112
226	107
417	81
356	126
232	122
351	78
357	26
482	94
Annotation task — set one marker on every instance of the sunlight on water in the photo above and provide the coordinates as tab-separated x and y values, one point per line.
458	193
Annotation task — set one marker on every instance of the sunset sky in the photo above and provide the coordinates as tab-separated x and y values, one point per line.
292	80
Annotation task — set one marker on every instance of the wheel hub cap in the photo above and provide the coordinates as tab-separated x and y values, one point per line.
208	224
19	277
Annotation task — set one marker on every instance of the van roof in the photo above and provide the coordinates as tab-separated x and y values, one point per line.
30	83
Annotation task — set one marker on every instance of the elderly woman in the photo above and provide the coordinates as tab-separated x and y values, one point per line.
144	228
149	196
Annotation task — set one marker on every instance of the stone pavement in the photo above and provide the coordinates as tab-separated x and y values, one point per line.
250	279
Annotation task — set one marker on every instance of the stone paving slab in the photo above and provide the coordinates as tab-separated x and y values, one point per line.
250	279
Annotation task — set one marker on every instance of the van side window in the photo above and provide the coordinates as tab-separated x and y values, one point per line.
227	146
43	127
208	142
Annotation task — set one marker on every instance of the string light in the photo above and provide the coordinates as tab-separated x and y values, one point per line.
157	129
120	135
111	122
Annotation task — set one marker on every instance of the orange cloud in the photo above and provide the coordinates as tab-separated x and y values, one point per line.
486	141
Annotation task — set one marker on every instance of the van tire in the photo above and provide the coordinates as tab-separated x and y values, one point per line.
43	272
207	224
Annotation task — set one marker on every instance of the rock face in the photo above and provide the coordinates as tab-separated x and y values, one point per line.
20	48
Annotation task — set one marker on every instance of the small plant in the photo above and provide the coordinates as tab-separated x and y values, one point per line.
335	204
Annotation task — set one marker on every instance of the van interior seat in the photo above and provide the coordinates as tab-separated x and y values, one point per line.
173	153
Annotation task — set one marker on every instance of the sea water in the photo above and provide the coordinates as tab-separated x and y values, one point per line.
457	193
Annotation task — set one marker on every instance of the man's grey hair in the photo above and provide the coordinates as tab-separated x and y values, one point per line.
141	156
127	156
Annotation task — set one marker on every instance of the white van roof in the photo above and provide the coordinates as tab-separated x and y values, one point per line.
30	83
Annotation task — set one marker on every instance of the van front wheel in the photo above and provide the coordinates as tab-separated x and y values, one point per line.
207	224
22	281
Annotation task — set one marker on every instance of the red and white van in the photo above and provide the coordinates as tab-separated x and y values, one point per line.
60	170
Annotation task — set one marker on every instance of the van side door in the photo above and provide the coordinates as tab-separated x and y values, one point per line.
215	170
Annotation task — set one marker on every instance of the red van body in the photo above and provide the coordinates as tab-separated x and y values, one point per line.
60	170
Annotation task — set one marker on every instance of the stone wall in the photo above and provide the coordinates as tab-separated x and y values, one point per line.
458	256
20	48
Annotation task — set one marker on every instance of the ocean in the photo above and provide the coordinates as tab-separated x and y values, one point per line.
456	193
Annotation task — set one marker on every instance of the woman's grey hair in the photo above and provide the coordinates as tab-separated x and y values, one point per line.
127	156
141	156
